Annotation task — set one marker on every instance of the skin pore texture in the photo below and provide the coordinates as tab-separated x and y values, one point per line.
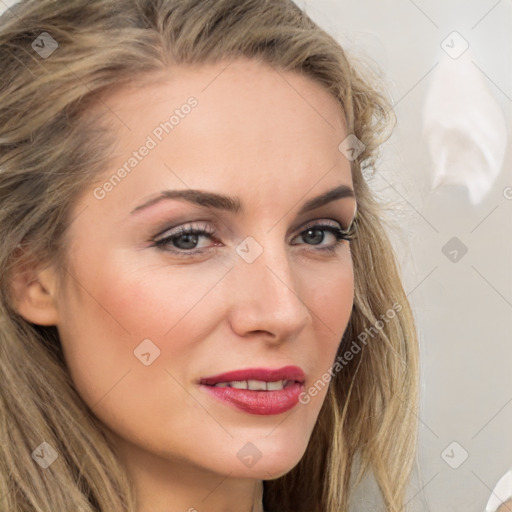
271	139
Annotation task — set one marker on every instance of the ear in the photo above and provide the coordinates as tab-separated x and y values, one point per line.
34	292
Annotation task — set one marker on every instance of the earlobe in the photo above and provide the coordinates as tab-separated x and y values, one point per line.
34	295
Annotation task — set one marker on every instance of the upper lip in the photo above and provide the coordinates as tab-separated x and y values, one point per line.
293	373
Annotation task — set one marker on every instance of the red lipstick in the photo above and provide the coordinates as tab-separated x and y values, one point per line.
262	391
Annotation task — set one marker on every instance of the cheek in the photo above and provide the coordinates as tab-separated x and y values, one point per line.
330	297
116	318
331	308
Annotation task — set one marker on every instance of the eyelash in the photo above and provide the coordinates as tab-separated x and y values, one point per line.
164	243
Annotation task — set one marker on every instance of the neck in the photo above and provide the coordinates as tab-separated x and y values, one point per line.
162	485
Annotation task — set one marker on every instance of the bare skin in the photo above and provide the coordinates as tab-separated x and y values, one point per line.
272	140
505	507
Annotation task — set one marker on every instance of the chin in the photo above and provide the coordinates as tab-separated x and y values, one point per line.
265	459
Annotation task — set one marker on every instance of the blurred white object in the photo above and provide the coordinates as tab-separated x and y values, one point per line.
501	493
464	127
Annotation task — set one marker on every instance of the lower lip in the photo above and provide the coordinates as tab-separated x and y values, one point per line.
259	402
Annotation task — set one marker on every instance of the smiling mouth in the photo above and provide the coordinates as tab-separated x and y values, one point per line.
259	391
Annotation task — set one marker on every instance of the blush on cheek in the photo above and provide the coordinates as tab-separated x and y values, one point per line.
332	298
121	308
152	299
332	311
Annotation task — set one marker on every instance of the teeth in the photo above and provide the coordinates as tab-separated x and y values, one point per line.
257	385
254	385
238	384
276	386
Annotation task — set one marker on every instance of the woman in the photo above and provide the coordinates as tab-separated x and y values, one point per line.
200	307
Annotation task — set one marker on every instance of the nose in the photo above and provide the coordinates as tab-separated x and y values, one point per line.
266	299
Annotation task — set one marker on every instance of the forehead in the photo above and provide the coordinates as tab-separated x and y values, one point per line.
238	98
250	126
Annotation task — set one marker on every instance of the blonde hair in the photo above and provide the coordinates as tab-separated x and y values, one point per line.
53	145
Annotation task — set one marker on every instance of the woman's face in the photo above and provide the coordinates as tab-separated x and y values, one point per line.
149	313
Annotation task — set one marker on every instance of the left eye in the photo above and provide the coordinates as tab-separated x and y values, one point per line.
316	233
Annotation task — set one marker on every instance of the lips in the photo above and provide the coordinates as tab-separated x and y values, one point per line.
261	391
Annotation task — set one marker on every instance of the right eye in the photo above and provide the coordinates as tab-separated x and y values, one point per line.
183	240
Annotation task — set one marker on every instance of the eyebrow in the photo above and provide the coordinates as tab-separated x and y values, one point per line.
234	205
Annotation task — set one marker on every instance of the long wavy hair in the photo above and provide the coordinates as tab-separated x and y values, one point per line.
53	145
